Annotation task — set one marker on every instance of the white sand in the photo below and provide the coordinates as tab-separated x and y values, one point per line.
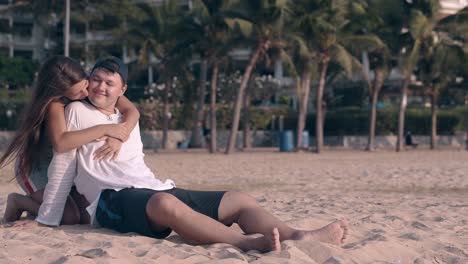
409	207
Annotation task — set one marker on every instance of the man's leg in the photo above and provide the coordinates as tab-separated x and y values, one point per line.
240	208
166	211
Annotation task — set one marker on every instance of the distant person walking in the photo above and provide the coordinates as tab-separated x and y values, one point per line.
409	140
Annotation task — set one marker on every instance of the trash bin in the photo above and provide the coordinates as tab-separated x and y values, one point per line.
286	141
305	139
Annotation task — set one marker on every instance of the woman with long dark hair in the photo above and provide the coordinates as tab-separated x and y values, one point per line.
43	127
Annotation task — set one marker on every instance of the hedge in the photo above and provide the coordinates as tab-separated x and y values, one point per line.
344	121
355	121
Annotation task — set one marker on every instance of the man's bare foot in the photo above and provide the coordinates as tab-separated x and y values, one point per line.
12	212
275	244
334	233
266	243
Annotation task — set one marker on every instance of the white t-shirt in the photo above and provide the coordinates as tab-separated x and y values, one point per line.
92	176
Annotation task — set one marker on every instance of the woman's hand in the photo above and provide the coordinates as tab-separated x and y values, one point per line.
118	131
110	150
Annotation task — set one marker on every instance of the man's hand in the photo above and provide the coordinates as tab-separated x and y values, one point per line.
109	150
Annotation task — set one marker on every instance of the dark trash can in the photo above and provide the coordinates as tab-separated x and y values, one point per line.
286	141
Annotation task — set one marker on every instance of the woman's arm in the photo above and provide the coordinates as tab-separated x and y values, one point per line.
63	140
112	146
130	113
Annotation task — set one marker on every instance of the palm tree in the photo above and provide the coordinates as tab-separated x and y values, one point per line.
385	20
205	30
423	20
262	22
442	56
329	27
305	58
152	31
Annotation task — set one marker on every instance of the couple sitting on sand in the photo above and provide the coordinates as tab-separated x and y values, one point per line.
108	176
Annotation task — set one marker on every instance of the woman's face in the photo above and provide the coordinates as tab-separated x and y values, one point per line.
78	91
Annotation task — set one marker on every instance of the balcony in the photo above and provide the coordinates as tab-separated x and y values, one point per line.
449	7
4	40
23	41
92	36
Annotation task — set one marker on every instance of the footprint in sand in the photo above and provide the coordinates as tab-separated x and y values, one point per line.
456	251
370	237
420	225
411	236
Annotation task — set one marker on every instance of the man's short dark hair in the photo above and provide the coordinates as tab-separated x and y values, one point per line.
113	65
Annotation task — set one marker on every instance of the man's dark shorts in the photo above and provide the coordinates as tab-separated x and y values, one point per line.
125	210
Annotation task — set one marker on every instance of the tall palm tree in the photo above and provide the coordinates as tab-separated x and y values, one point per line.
385	20
152	32
206	32
262	22
329	28
442	56
424	18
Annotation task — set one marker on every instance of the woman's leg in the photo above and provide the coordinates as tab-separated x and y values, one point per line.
166	211
240	208
17	204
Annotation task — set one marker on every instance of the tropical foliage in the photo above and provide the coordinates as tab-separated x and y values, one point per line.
213	52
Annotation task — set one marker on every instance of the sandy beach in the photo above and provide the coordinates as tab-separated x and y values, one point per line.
409	207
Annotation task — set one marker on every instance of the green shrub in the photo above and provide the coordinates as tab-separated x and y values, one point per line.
355	121
17	73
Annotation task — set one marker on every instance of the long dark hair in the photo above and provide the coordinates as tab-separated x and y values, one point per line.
55	77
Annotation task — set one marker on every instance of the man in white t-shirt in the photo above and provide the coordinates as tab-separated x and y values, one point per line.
124	194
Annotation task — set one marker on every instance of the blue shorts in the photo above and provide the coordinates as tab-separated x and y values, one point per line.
125	210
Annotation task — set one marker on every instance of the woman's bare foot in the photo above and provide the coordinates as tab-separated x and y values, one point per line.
266	243
334	233
12	212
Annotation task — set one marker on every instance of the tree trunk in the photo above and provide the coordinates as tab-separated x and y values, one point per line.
319	100
238	104
196	139
304	100
378	82
247	140
214	78
401	115
434	109
166	114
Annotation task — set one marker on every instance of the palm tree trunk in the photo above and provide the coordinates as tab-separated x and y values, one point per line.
378	82
214	78
319	100
246	135
196	140
166	115
301	120
401	115
434	109
238	104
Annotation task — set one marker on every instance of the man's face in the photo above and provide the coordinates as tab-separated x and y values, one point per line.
105	88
